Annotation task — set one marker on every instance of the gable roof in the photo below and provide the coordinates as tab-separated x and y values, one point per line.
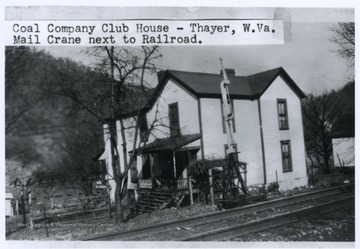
241	87
344	127
207	85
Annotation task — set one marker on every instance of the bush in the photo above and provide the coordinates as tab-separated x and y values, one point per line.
273	187
326	180
199	171
257	190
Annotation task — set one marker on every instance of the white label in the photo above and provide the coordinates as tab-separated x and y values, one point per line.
144	33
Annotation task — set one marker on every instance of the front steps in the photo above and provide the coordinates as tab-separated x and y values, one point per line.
154	199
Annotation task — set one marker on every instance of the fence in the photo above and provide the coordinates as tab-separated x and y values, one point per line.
182	184
61	198
149	183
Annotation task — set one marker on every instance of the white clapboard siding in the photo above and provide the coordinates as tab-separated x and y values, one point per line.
247	135
273	135
344	151
187	106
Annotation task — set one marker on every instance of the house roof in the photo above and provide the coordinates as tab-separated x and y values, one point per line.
207	85
344	128
169	143
241	87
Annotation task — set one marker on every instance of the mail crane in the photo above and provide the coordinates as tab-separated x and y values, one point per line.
233	183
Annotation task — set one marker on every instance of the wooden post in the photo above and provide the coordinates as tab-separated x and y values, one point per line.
17	207
23	206
245	171
312	175
177	203
211	188
190	191
45	221
174	164
31	217
181	199
108	197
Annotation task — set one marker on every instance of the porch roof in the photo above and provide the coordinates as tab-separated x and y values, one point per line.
169	144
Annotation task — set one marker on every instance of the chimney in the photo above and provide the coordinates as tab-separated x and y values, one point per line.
161	75
229	72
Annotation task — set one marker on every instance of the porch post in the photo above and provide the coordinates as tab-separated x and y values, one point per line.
174	165
175	181
189	179
211	188
190	190
17	207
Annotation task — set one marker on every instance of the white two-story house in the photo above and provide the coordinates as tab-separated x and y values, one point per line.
187	108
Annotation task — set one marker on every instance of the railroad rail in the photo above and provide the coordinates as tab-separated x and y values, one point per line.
270	222
246	227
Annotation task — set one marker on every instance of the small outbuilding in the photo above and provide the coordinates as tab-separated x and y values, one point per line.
9	210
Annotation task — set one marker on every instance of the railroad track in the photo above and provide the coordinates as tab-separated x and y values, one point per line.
231	232
238	221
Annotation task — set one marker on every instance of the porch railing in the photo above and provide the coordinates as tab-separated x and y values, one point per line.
182	183
148	183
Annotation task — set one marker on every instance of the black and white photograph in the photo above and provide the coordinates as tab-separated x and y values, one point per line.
227	125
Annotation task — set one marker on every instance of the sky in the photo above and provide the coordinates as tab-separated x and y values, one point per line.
308	58
307	54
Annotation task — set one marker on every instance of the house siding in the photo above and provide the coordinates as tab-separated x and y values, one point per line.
108	161
194	111
273	135
344	151
158	116
247	135
247	138
187	107
212	130
129	134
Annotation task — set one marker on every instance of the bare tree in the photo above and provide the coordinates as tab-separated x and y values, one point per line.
344	37
116	87
321	113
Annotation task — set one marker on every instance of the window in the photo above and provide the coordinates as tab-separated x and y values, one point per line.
282	113
174	120
223	115
286	155
144	134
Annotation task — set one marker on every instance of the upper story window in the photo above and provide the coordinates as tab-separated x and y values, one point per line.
224	118
143	127
174	120
286	155
282	114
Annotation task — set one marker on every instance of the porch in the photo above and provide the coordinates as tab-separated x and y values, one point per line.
164	165
178	185
156	198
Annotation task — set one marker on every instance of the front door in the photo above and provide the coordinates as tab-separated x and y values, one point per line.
146	170
183	159
163	165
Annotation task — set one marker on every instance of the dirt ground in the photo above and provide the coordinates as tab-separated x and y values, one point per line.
75	230
335	226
